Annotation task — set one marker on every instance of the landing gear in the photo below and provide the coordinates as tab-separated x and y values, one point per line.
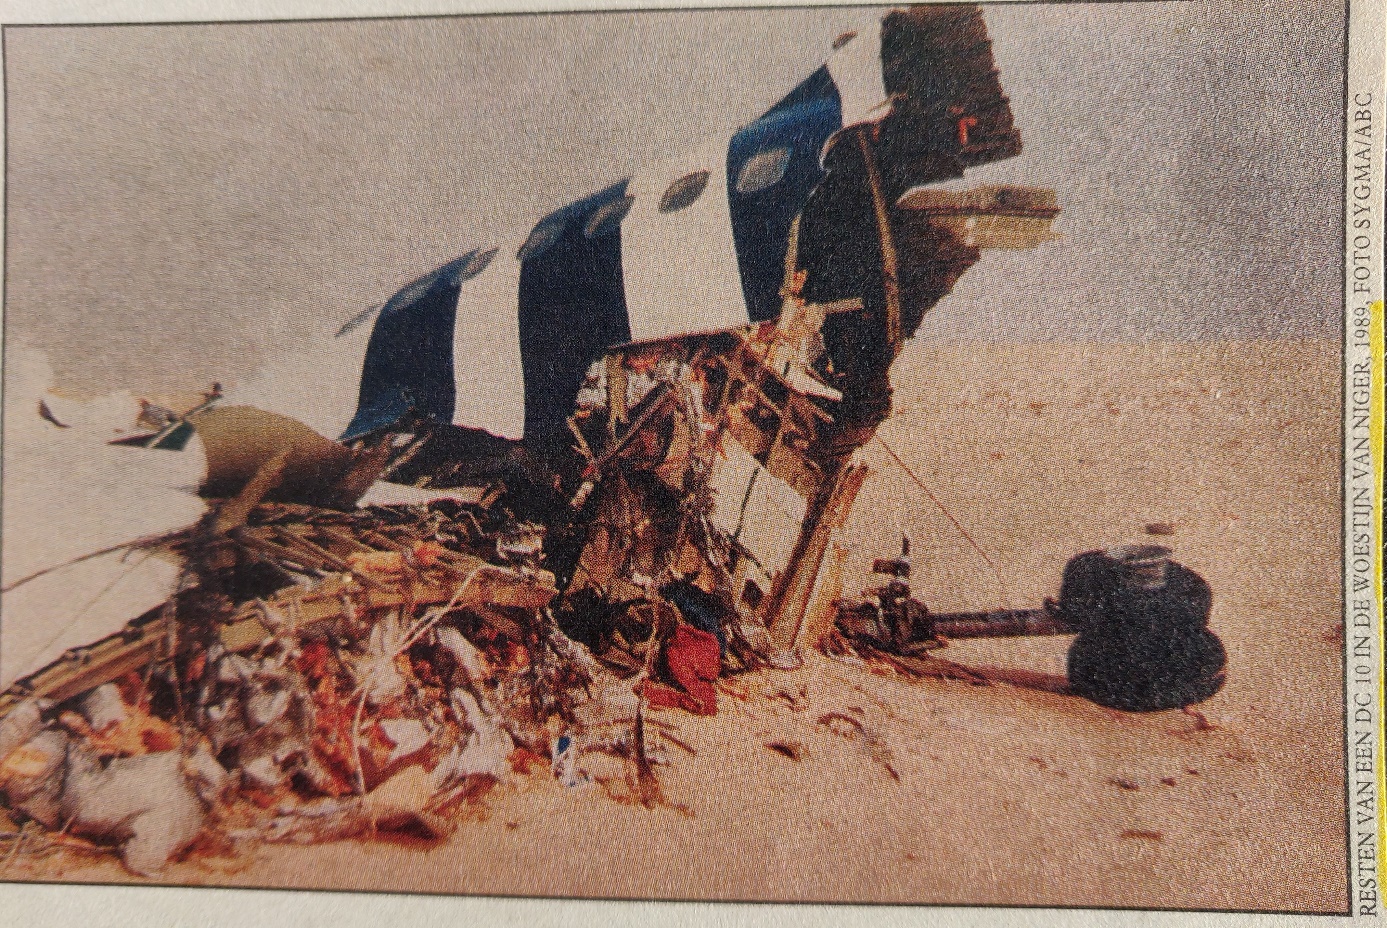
1142	621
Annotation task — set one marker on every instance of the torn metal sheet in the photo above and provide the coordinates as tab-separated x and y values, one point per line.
241	440
73	506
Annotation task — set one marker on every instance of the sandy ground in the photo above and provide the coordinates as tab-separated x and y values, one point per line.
1010	794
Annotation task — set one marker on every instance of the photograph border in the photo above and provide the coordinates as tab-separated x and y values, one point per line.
1363	72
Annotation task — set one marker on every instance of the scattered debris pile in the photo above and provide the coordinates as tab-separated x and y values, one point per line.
325	671
325	674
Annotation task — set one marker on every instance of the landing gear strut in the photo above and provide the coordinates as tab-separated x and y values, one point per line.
1141	623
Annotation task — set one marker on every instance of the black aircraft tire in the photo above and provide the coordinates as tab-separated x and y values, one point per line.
1147	666
1090	582
1138	649
1093	595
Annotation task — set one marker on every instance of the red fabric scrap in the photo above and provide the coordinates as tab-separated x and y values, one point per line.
693	660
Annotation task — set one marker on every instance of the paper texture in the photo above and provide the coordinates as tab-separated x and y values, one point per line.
963	505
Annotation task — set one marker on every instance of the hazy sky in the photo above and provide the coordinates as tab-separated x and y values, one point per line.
183	199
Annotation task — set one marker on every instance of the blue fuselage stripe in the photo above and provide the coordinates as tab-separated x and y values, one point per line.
800	124
409	359
572	306
571	303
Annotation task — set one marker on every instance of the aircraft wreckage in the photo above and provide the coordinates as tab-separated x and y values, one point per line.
581	474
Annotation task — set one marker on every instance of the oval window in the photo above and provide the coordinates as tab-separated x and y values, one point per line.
473	264
606	219
683	192
542	237
763	169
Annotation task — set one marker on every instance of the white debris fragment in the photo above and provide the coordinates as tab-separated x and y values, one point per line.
147	803
104	708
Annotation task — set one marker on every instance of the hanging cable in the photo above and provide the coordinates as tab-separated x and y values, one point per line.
1001	584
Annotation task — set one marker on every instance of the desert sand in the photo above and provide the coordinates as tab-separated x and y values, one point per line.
1011	793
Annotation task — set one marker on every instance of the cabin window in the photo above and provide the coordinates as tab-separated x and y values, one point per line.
606	219
683	192
763	169
542	238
